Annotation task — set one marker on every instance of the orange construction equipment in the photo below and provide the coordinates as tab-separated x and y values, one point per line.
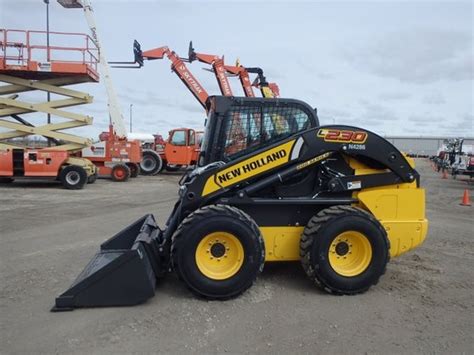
182	146
465	198
27	64
178	66
267	89
180	149
117	157
185	149
220	70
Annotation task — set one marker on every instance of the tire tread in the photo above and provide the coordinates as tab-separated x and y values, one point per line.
308	237
201	214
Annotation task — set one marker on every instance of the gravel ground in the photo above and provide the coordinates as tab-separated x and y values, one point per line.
423	304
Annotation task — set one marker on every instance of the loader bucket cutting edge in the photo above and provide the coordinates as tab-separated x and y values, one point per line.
122	273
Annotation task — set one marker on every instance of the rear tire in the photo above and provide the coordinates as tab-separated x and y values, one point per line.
6	180
218	251
73	177
151	163
120	173
344	250
134	169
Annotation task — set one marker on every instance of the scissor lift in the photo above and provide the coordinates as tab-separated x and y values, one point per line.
28	65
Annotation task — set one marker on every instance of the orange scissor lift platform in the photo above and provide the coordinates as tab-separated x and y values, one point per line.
25	55
29	65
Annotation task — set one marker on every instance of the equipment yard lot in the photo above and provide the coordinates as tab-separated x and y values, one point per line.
424	302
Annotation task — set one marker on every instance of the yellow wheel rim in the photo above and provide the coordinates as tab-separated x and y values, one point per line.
219	255
350	253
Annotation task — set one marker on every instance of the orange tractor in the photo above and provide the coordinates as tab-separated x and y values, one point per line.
181	149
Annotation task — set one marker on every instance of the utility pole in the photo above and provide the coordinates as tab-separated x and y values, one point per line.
131	107
48	57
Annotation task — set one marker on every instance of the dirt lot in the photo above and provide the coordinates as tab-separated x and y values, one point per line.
424	303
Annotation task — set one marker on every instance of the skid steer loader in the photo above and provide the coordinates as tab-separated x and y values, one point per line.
272	185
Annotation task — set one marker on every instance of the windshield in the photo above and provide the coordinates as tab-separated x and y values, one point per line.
249	128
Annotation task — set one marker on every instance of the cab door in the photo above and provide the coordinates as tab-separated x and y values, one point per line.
194	146
177	148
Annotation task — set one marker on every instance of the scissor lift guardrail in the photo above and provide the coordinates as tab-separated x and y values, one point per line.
27	66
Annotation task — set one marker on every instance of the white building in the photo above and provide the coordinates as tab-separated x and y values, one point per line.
426	145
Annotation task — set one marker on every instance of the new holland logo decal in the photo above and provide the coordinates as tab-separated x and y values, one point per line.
253	165
249	167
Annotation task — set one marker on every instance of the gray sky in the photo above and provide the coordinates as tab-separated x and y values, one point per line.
393	67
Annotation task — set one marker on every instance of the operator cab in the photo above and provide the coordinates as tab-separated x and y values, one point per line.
238	126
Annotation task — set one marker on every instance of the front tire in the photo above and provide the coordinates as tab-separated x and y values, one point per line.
344	250
120	173
218	251
73	177
151	163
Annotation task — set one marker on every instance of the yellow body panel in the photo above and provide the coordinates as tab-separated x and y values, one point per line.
282	243
399	208
249	167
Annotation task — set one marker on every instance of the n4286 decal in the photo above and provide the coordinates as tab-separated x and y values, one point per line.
343	136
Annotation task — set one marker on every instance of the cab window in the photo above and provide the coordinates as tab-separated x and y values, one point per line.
280	123
192	137
178	138
250	128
